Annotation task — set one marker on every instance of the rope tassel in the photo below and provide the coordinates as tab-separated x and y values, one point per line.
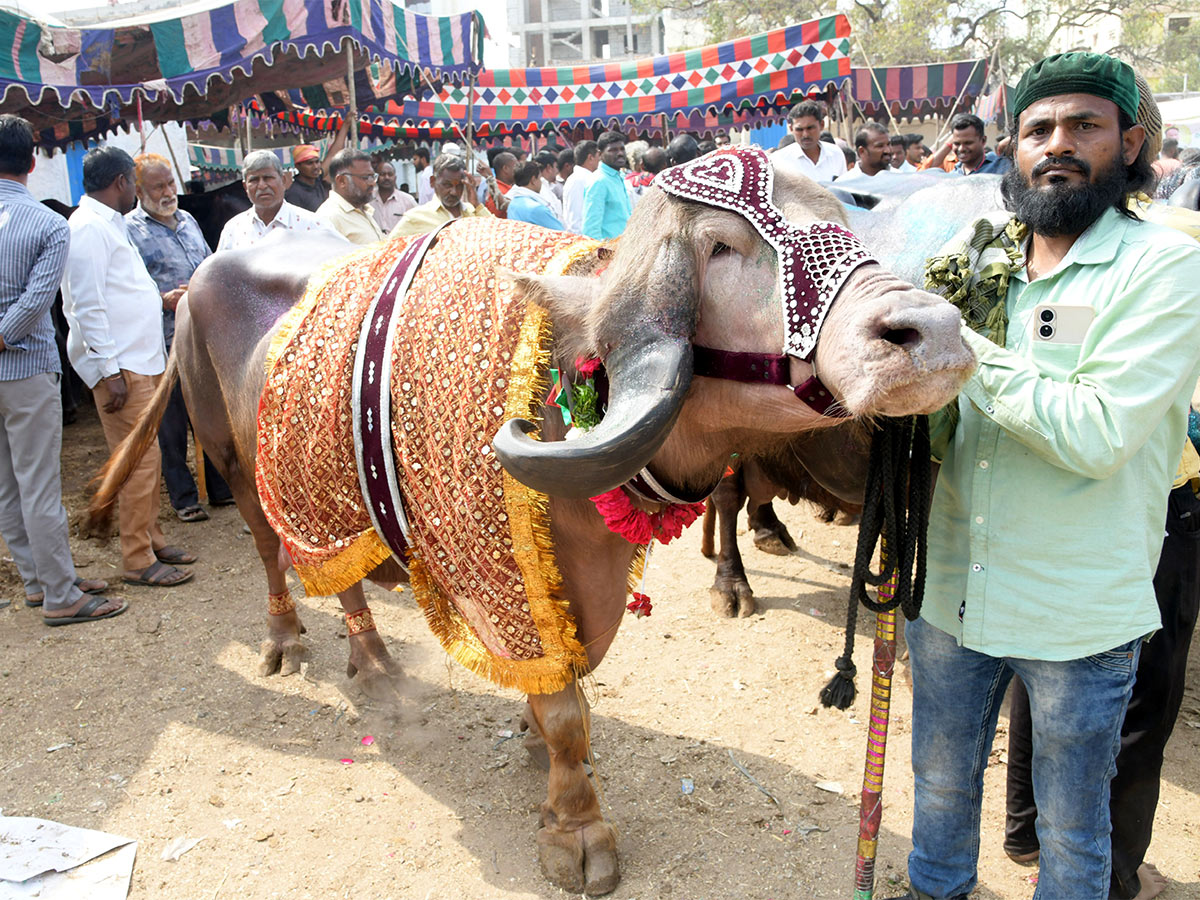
896	504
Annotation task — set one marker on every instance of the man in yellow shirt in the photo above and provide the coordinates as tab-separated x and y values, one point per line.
450	177
347	211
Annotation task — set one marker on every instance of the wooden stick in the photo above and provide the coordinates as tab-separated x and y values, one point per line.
870	810
201	481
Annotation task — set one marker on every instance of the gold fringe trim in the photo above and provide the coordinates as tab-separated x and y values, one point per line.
564	659
636	567
346	569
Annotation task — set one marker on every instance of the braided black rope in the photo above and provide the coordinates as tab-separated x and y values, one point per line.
895	504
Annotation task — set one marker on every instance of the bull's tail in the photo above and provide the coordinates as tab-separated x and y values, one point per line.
112	477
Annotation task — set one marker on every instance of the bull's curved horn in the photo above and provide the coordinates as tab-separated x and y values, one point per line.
648	384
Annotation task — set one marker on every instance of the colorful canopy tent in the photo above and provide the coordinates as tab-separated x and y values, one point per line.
75	83
917	91
714	86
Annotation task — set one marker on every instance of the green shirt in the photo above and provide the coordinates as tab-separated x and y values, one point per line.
1047	518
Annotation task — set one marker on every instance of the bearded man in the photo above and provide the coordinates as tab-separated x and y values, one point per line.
172	247
1047	517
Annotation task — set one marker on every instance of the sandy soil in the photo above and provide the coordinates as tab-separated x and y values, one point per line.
171	733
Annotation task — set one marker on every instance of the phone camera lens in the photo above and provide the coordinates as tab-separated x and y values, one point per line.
1046	331
1047	315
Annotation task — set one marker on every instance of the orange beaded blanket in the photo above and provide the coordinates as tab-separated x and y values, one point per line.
468	354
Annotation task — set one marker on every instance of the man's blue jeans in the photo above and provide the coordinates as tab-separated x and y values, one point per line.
1077	707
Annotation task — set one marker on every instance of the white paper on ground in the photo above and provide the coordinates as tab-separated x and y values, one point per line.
104	878
31	846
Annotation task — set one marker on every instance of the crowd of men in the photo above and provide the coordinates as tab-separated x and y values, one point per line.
810	150
1053	442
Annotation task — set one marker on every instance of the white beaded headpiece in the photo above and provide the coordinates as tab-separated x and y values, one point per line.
814	261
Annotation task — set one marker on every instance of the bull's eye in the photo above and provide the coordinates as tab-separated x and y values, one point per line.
719	248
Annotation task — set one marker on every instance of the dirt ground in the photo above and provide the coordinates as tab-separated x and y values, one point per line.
724	776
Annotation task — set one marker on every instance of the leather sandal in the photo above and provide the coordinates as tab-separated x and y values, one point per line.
175	556
192	514
159	575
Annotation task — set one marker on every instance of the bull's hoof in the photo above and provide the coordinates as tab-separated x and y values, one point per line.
281	654
775	540
583	861
380	678
601	866
733	600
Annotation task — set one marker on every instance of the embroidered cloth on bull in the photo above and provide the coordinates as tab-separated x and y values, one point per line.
468	354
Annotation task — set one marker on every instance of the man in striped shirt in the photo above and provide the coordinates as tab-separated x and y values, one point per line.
33	253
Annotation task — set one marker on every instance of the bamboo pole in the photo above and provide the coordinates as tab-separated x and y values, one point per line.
353	110
870	811
957	100
471	124
882	95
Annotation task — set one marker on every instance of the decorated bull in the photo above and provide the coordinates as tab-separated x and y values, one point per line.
374	416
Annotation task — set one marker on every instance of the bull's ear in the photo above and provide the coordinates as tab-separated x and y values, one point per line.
568	298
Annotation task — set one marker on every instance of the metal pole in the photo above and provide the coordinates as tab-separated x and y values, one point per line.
870	811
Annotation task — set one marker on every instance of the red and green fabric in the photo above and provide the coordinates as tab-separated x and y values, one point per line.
919	90
767	69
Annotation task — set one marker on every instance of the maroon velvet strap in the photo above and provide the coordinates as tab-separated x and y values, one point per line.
731	365
371	402
763	368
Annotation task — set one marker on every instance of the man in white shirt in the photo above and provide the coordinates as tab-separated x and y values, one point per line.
874	151
262	176
548	170
809	155
587	160
390	204
899	147
424	175
115	343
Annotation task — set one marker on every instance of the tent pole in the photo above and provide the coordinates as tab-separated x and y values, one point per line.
353	111
471	124
958	100
882	95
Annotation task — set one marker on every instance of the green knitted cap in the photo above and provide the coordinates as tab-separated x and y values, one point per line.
1079	73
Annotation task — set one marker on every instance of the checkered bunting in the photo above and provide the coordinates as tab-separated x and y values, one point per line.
746	73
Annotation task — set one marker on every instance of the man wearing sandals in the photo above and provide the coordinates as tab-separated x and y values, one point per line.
172	247
33	252
115	343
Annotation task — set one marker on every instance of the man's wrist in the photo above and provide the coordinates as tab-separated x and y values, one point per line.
112	377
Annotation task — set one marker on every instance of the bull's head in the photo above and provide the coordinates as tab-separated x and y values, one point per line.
686	272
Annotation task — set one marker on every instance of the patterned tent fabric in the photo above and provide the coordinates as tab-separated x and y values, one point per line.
919	90
743	74
71	82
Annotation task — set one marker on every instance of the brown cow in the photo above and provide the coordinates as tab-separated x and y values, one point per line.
682	273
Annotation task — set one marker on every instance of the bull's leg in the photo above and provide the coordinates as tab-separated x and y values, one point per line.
707	550
282	650
770	535
577	848
370	664
730	594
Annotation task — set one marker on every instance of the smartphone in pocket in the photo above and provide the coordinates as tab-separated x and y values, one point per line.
1058	323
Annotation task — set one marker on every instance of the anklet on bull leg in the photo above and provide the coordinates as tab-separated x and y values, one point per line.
280	604
359	621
